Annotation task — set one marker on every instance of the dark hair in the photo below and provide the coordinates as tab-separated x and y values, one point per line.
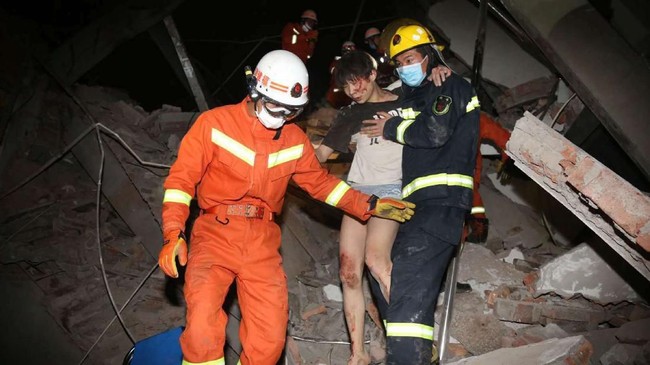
353	65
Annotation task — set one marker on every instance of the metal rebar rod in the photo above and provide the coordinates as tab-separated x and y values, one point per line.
199	97
450	292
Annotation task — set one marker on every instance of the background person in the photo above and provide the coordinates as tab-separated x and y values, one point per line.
335	95
301	37
385	71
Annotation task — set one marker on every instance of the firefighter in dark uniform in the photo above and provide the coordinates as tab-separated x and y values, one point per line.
439	127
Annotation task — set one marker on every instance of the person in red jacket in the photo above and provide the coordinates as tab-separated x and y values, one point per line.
237	160
476	227
301	37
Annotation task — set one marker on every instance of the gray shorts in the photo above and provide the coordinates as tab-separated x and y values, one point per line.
382	191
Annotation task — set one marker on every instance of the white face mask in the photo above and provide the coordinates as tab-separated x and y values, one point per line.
267	119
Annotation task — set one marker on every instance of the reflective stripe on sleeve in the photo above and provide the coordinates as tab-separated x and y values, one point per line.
177	196
336	194
409	330
242	152
401	129
285	155
477	210
438	179
408	113
473	104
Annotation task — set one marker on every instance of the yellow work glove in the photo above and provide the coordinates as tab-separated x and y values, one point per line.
173	245
395	209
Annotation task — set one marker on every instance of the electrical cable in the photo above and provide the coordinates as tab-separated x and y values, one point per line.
98	127
137	289
98	212
69	147
28	223
562	108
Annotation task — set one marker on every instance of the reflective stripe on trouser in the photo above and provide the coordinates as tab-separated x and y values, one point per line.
244	250
220	361
421	254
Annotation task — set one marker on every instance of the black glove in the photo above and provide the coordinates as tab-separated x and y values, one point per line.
505	169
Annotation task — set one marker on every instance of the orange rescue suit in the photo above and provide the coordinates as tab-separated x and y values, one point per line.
296	40
489	130
230	158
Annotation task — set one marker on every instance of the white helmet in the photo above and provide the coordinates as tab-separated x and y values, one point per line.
348	46
309	14
282	77
371	32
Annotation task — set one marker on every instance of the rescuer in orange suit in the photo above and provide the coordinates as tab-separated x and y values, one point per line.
238	160
476	229
301	37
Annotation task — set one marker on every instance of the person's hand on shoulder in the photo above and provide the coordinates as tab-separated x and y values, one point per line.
439	74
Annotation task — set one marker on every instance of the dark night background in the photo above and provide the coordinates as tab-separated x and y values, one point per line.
220	38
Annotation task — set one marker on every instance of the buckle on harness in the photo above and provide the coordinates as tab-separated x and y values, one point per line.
246	210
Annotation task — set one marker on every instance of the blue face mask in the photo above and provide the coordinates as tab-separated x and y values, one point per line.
412	75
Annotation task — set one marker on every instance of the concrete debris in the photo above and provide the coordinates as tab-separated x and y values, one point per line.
59	254
623	353
333	292
473	326
571	350
483	271
614	209
508	219
572	315
509	256
583	271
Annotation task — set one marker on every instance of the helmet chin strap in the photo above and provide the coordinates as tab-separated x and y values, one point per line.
437	55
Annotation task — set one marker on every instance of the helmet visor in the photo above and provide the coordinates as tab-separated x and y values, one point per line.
279	110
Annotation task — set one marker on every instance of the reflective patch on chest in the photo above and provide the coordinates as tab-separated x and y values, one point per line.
441	105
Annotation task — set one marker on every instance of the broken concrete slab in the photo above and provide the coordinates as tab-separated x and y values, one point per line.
636	332
583	271
623	353
570	350
622	220
534	334
517	225
571	315
480	268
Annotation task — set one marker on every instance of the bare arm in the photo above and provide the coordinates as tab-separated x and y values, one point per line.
323	153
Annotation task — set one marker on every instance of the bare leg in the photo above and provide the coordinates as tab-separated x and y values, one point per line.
379	241
351	255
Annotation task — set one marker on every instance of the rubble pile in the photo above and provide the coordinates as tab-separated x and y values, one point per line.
533	294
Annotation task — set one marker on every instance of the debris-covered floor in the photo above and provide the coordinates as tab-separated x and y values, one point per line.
543	287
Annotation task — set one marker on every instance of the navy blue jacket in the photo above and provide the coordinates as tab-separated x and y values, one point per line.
439	127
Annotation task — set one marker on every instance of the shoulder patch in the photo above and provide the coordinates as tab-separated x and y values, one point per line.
441	105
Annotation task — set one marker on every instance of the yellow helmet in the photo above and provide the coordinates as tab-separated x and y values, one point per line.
408	37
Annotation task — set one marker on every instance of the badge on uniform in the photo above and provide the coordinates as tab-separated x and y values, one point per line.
441	105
